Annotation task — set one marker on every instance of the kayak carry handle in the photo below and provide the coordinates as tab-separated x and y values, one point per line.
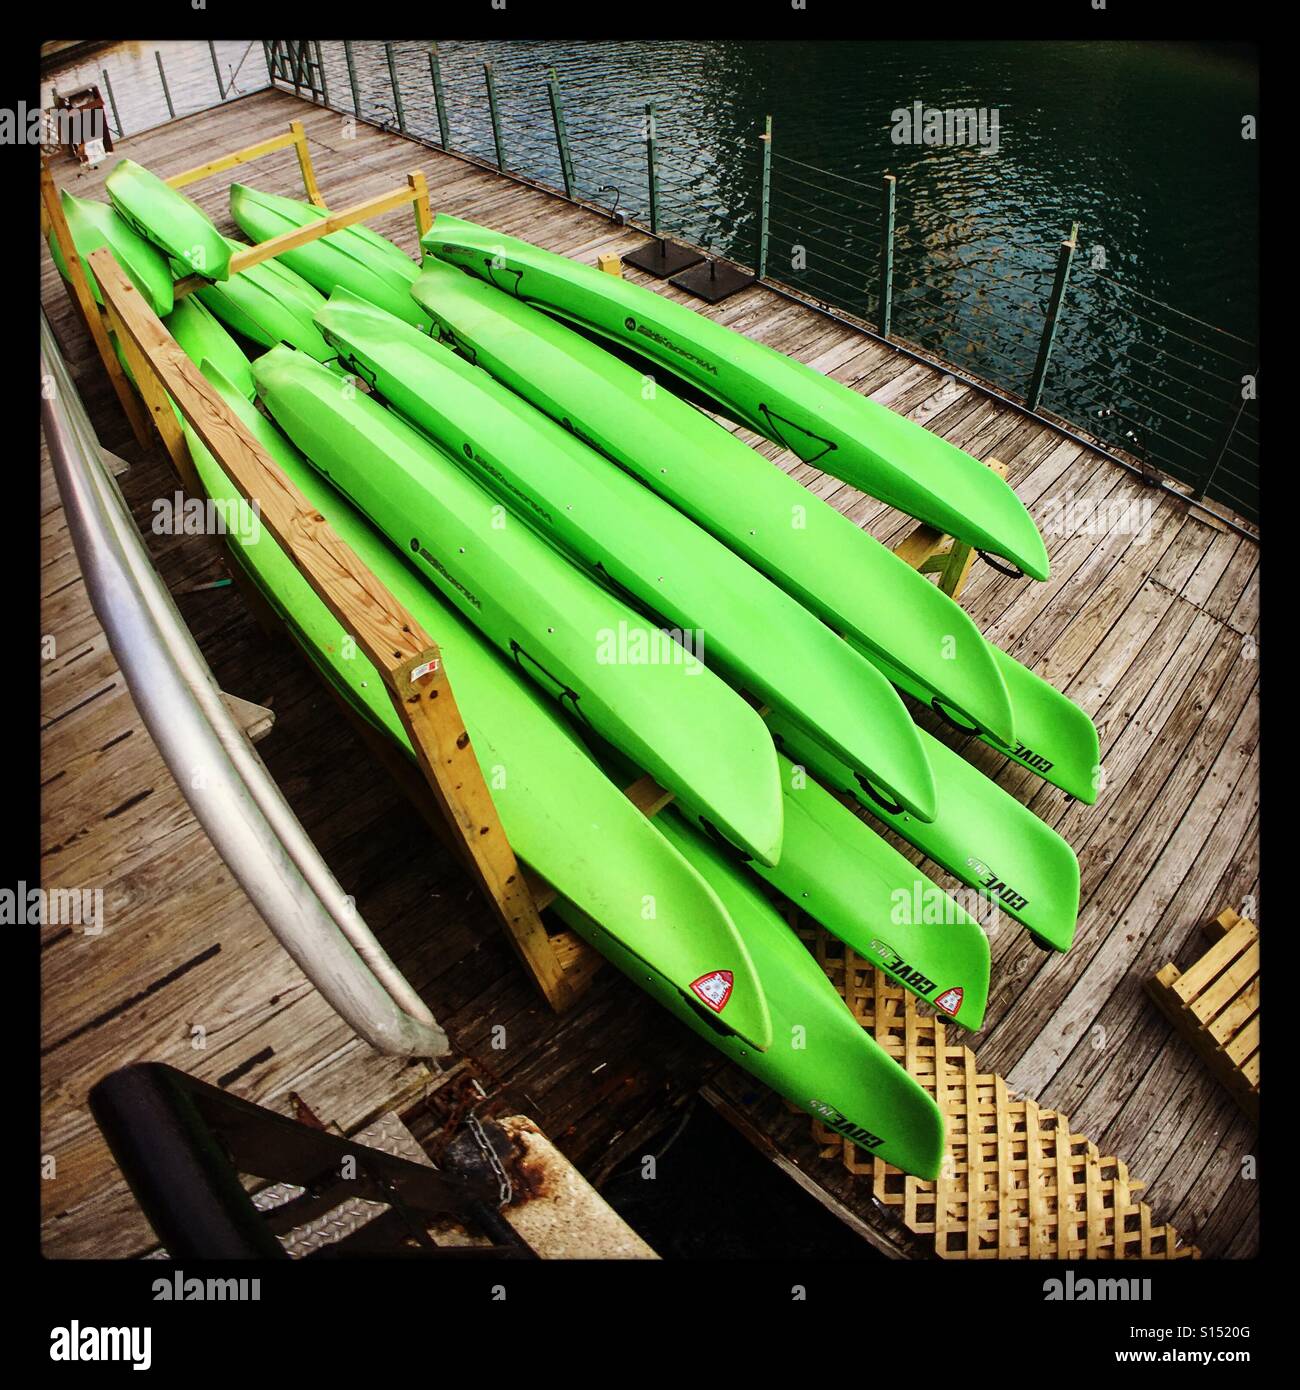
1011	572
936	704
890	807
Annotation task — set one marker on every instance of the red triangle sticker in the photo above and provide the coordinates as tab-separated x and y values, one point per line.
714	989
949	1001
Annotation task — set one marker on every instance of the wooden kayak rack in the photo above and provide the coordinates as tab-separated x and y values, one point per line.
447	788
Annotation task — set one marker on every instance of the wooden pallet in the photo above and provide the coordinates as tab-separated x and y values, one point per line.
1017	1182
1214	1004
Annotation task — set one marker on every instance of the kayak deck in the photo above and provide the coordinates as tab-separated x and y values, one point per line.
1165	648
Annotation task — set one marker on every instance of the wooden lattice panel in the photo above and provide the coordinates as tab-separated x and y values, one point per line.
1017	1183
1214	1004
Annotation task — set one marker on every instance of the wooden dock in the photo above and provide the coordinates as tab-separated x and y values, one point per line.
1152	629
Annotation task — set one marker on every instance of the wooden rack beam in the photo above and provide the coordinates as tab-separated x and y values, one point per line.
405	656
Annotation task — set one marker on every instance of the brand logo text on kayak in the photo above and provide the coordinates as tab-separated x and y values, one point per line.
30	125
919	124
646	331
632	645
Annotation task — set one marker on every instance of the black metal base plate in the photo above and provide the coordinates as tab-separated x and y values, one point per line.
663	258
713	281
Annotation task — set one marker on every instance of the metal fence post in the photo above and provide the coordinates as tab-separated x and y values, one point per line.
162	77
112	101
765	198
435	76
397	89
216	68
1063	263
320	72
651	170
561	132
352	77
1221	447
887	257
492	111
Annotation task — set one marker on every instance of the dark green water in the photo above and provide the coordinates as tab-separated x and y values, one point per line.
1141	144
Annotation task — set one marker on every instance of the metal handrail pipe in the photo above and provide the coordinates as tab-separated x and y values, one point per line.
189	741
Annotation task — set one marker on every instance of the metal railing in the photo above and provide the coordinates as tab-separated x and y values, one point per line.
1034	319
236	801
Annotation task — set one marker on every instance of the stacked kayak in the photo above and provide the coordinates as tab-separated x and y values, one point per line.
715	953
675	572
903	623
168	219
818	419
620	585
356	258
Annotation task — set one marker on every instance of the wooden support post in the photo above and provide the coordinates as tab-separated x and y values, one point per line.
561	132
423	214
930	551
405	656
83	297
765	198
299	133
887	257
155	397
439	101
1063	262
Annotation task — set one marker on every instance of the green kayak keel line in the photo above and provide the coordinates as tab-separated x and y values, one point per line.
690	938
665	710
202	337
358	259
982	835
166	217
674	572
821	1058
269	304
94	225
820	420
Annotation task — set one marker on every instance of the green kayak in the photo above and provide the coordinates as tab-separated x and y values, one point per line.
269	304
863	891
820	1057
682	578
982	835
689	937
358	259
653	699
820	420
202	337
95	225
166	217
896	617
